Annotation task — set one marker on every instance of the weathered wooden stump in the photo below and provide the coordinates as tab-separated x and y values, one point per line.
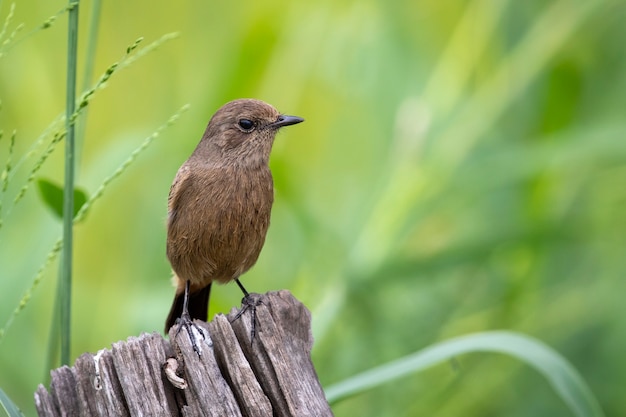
225	374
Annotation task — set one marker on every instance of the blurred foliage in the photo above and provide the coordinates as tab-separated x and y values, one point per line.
52	195
461	169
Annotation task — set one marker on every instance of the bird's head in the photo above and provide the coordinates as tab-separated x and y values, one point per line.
242	133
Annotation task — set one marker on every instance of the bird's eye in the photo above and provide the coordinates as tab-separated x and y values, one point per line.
246	125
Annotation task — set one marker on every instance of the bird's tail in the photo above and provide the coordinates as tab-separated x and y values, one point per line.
198	306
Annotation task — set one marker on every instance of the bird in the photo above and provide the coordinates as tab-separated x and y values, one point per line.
219	204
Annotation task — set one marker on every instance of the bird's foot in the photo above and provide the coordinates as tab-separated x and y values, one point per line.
197	334
249	302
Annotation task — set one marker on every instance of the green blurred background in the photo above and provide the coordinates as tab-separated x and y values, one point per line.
462	168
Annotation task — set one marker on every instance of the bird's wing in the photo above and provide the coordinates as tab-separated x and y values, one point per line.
183	175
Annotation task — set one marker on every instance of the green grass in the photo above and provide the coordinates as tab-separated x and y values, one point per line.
460	170
564	379
64	292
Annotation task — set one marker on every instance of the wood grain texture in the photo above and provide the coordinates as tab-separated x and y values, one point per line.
225	374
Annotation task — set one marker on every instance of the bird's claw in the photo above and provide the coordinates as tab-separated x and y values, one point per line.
250	301
194	331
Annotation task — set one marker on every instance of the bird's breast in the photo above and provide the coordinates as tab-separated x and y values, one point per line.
219	224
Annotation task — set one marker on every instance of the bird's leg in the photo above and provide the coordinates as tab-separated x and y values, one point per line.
249	301
185	314
246	294
185	321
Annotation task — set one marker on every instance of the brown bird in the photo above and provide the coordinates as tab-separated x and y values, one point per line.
219	204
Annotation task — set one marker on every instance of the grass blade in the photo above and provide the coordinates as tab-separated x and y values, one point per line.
65	281
92	41
9	406
561	375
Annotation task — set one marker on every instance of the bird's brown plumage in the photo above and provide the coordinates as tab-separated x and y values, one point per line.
220	202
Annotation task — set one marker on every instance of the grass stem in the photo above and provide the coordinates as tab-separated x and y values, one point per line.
65	281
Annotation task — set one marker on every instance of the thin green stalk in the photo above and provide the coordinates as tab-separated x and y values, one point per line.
59	132
65	281
7	21
56	249
131	158
92	41
12	41
4	176
60	135
52	255
52	356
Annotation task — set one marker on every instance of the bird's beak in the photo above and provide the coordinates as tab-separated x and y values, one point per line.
284	120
